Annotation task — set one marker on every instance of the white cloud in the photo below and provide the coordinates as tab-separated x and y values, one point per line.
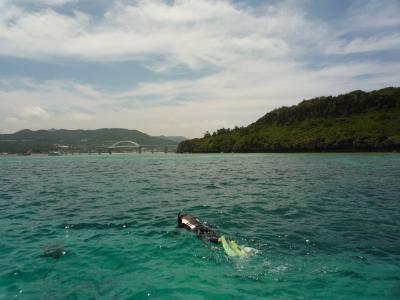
188	107
388	42
255	61
371	14
43	2
32	112
187	32
195	33
190	32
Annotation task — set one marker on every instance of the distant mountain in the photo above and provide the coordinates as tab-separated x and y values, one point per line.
177	139
357	121
44	140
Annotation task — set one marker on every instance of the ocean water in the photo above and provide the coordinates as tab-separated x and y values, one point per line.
326	226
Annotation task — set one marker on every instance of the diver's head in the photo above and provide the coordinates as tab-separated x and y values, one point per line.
180	215
188	221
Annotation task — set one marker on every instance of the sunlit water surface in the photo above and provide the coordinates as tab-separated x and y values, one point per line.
327	226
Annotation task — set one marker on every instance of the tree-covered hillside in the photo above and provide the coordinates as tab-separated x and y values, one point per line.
357	121
45	140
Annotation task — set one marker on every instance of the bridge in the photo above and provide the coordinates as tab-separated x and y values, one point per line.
132	146
125	145
121	146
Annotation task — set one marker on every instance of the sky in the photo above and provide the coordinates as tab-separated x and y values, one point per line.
184	67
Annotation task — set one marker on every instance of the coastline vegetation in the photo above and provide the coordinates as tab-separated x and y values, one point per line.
356	121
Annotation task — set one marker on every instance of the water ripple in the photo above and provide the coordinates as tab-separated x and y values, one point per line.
325	226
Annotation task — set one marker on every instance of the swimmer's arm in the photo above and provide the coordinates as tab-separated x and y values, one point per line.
176	230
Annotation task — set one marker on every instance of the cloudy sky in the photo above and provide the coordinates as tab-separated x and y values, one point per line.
186	66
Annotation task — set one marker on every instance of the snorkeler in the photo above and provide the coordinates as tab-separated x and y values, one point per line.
205	232
202	231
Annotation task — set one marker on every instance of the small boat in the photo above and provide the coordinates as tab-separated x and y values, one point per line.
55	153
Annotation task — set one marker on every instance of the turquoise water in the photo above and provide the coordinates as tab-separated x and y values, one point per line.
327	226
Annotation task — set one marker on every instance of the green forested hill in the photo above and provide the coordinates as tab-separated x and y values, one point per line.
357	121
44	140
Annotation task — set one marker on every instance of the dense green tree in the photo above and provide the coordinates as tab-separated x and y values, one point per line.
357	121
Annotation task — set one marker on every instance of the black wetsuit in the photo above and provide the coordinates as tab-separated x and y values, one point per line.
202	231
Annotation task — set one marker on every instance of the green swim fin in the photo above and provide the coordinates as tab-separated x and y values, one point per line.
236	248
228	250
